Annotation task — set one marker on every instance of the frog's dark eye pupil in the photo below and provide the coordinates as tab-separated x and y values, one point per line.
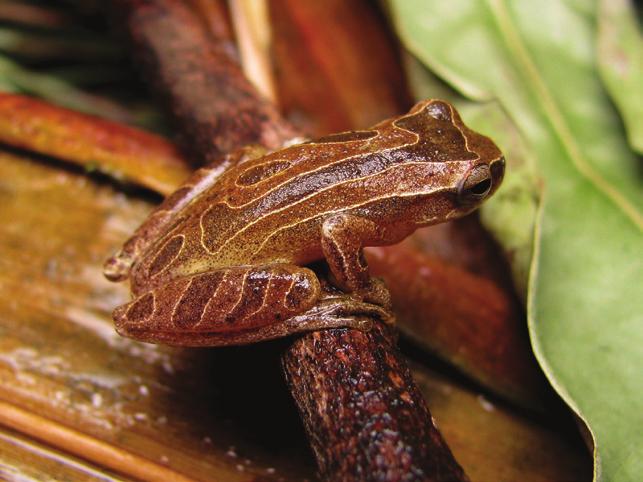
476	185
481	188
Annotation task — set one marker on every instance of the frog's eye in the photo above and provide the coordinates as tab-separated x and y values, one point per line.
439	110
476	185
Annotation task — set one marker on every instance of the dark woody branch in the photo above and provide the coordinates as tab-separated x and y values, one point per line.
365	417
215	108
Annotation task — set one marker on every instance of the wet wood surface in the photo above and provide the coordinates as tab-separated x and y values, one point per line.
22	458
121	152
77	398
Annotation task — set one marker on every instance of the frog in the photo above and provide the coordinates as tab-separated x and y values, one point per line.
226	259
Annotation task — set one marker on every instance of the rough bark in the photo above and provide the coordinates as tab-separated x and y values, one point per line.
365	417
215	107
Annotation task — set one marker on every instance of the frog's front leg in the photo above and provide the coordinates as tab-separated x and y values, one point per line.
117	267
343	237
238	305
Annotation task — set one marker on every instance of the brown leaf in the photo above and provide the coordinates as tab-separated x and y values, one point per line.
464	318
122	152
336	65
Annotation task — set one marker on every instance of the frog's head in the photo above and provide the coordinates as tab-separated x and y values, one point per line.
459	167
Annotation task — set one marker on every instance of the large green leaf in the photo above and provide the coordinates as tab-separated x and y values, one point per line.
537	60
620	60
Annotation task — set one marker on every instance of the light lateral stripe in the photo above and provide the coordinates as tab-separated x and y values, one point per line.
167	266
266	290
136	300
302	200
464	136
287	292
324	166
290	288
178	302
204	179
267	163
341	253
263	301
243	286
392	125
325	213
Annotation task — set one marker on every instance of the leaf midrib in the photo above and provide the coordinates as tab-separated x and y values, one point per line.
516	47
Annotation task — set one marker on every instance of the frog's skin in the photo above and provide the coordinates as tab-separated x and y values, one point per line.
221	261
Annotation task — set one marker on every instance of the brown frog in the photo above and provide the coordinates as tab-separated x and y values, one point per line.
222	260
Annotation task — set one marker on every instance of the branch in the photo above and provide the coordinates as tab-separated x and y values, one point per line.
215	108
364	415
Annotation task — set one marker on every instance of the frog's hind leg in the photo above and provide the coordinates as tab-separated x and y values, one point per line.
220	307
239	305
117	268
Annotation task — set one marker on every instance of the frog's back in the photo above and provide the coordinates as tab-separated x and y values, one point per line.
270	209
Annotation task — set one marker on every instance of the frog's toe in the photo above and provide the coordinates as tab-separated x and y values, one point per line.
117	267
341	311
376	293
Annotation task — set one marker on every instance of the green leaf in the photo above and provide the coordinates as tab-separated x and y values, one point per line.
620	61
56	90
511	213
53	87
537	60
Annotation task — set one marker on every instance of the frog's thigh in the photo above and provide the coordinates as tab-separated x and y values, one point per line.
234	305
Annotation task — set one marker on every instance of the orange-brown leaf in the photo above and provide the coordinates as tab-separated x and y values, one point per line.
121	151
465	318
336	64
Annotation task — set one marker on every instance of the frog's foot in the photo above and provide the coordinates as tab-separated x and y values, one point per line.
342	311
117	267
376	293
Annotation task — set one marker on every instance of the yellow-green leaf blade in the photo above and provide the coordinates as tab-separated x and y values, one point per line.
537	59
620	61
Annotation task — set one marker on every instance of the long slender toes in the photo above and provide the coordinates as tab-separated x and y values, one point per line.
340	312
363	310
